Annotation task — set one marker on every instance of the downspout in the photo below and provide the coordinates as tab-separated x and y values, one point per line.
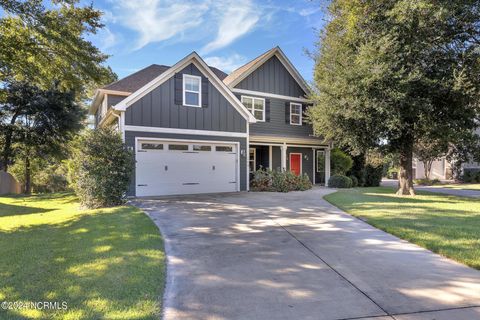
120	125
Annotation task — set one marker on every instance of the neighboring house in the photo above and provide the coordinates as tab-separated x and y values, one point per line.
442	168
195	129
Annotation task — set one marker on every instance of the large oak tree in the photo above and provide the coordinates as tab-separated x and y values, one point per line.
389	73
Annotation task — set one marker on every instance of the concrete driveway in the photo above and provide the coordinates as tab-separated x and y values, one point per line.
294	256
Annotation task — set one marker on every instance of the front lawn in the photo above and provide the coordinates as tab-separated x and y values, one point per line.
462	186
444	224
104	263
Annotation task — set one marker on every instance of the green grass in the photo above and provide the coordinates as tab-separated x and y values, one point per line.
463	186
105	263
447	225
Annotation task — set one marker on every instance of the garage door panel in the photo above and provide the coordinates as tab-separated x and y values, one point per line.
165	172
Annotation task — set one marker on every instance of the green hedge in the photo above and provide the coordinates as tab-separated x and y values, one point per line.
102	167
339	181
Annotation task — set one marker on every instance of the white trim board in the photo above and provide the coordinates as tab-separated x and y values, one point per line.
270	95
186	131
283	59
196	60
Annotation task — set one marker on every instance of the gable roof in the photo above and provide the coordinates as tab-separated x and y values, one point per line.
241	73
167	74
135	81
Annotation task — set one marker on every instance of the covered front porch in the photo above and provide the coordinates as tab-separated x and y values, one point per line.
309	158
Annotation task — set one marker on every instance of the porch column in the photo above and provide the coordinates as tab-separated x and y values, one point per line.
327	166
270	166
284	157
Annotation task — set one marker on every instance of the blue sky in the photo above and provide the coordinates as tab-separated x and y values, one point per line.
226	33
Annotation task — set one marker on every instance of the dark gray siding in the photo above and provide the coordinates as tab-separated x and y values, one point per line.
277	125
130	142
272	77
307	164
276	158
158	109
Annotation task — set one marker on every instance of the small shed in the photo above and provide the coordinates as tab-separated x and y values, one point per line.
8	184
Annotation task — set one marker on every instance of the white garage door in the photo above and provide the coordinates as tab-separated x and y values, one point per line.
175	167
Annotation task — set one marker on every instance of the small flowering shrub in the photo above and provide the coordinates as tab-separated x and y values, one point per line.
279	181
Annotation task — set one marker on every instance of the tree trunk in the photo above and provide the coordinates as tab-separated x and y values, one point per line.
405	179
7	148
427	168
28	186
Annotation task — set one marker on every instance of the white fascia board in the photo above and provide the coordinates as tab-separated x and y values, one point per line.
287	140
270	95
286	63
186	131
203	67
98	97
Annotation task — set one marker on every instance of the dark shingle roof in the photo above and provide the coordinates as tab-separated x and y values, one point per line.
140	78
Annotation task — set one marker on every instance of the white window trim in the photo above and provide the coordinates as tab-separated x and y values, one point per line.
185	76
300	114
316	160
251	170
253	107
301	160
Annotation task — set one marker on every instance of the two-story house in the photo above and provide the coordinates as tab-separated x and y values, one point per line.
195	129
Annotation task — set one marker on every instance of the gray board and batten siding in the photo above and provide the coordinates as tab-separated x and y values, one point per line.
162	107
272	77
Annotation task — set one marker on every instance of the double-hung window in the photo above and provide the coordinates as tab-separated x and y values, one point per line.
192	91
295	114
256	107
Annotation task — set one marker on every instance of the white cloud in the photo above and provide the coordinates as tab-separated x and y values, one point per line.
309	11
107	39
237	18
227	64
159	20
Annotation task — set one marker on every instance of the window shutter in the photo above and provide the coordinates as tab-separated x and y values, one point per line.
267	110
287	112
204	92
178	87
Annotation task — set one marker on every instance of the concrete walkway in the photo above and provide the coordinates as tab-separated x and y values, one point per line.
294	256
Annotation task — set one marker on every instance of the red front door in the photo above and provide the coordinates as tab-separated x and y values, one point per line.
295	163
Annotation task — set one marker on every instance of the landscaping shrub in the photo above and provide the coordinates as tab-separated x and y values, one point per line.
354	181
102	167
470	175
340	161
427	182
358	169
278	181
373	175
340	181
262	180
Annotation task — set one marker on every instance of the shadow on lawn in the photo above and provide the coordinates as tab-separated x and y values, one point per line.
100	264
14	210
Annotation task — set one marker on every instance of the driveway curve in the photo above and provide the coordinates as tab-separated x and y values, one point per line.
295	256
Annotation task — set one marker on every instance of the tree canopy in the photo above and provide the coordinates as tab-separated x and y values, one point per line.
38	123
45	45
389	73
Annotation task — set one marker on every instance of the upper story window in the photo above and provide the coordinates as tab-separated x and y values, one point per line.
256	107
192	91
295	114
